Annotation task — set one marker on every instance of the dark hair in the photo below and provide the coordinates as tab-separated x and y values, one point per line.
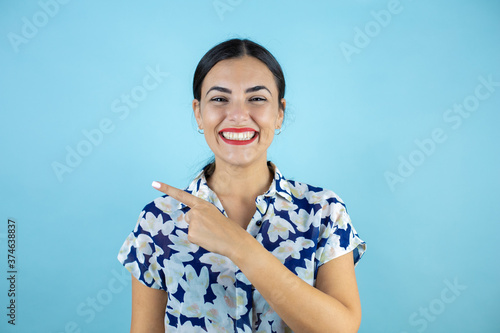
238	48
231	49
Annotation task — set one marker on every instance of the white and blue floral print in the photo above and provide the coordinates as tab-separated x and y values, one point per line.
301	225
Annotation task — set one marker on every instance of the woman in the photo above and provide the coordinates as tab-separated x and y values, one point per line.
242	249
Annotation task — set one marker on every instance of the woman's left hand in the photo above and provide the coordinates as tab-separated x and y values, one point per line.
208	227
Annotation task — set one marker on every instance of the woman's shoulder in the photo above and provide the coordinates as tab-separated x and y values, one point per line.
163	214
168	205
312	193
300	191
164	204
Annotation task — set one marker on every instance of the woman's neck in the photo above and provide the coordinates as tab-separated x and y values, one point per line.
243	183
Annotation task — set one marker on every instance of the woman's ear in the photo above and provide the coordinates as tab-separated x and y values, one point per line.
283	104
197	113
281	112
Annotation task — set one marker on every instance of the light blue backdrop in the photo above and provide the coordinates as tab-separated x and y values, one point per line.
394	105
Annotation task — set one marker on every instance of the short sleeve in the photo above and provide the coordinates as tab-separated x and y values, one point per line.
140	254
337	234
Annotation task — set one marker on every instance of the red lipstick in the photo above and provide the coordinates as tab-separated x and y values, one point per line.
238	130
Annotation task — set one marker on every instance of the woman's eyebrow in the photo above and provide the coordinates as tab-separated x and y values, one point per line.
257	88
221	89
249	90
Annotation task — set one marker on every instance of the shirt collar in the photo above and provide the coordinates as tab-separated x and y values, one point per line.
199	188
279	185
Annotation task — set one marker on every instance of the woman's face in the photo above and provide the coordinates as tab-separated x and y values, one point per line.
238	111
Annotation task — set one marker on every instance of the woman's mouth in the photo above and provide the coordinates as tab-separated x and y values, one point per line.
238	136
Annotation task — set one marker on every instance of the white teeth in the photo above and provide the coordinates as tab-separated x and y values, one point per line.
242	136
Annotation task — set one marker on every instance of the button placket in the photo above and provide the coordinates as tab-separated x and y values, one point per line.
262	210
263	213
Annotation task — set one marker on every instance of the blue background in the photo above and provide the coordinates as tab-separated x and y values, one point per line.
353	117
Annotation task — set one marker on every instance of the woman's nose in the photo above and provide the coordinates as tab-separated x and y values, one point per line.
238	112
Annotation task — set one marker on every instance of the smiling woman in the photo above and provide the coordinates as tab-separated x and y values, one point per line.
239	99
243	249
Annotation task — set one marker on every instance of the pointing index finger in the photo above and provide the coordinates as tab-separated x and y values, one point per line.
180	195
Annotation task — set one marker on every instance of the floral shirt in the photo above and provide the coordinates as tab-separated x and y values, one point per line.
303	226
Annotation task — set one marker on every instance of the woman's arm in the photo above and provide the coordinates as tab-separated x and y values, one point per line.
333	306
148	309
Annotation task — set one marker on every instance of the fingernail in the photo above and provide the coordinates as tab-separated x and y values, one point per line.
156	185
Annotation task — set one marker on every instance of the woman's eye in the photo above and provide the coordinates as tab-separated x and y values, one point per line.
257	99
219	99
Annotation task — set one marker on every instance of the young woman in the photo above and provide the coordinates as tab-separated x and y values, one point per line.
243	249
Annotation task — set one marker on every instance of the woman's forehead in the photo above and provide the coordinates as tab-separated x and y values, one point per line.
239	72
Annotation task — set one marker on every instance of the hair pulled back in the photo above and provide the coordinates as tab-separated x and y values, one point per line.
232	49
238	48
